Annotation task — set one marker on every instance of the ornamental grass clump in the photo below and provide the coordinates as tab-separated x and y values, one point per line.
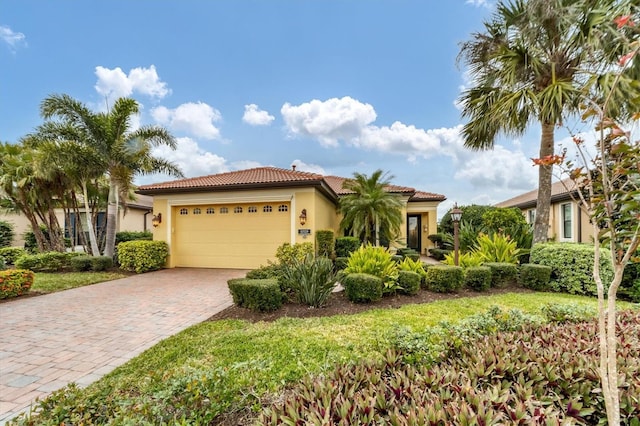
539	375
312	279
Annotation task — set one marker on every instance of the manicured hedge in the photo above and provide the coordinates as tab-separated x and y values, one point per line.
477	278
346	245
142	256
409	282
535	277
124	236
444	278
262	295
52	261
340	263
15	282
325	243
439	254
10	254
362	288
502	274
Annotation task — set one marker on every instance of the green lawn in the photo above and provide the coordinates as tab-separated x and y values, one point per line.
57	281
215	367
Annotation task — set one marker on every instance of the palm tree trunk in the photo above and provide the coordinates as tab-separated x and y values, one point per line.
92	235
543	207
112	217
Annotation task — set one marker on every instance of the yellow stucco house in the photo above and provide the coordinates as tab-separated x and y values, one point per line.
567	221
239	219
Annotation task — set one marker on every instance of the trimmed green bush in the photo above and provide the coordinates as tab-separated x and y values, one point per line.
502	274
325	243
287	254
362	288
571	266
52	261
124	236
533	276
6	234
10	254
257	295
142	256
80	263
312	280
15	282
444	278
346	245
418	267
101	263
265	272
438	254
397	258
340	263
3	265
409	282
477	278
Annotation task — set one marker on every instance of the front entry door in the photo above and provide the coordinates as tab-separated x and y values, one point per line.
413	233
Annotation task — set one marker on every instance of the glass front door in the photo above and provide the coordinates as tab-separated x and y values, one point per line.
413	232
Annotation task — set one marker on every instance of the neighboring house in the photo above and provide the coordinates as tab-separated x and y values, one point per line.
135	218
239	219
567	222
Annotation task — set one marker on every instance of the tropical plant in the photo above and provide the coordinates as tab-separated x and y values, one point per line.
6	234
465	259
532	62
408	264
123	151
370	211
497	248
312	279
376	261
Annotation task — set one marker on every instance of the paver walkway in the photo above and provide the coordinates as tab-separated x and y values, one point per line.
79	335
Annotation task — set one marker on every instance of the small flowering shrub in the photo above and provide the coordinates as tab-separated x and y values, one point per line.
15	282
142	256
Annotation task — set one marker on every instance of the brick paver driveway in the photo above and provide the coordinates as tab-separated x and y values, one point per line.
79	335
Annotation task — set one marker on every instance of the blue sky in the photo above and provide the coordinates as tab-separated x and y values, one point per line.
335	87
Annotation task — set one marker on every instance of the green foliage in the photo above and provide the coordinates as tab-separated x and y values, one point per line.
471	215
101	263
477	278
341	263
265	272
346	245
288	254
465	260
555	312
6	234
49	282
376	261
125	236
408	264
80	263
438	239
502	274
533	276
325	242
439	254
3	265
571	266
409	282
498	379
142	256
257	295
499	219
311	280
10	254
468	235
496	248
362	287
630	285
15	282
444	278
45	262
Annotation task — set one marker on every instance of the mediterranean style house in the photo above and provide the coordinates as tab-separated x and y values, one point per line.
238	219
567	221
135	218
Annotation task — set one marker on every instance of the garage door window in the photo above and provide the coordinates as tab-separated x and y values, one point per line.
283	208
210	210
184	212
197	211
237	209
252	209
267	209
224	210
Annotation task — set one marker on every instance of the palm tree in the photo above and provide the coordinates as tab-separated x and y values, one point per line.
123	151
370	208
534	61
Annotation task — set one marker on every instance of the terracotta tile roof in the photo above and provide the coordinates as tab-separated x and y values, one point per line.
270	176
559	190
257	176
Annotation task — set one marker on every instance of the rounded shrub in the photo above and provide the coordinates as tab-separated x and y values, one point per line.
325	242
10	254
257	295
15	282
362	288
142	256
51	261
346	245
80	263
409	282
477	278
101	263
535	277
502	274
444	278
340	263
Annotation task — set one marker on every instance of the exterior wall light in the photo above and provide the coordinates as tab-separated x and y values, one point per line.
157	220
456	216
303	217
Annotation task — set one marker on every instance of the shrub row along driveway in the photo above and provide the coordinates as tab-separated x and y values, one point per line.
79	335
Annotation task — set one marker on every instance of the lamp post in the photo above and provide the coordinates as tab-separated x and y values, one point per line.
456	215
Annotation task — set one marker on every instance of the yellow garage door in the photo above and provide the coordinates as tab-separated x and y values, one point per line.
229	235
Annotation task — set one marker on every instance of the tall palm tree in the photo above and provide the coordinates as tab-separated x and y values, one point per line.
534	61
370	208
125	152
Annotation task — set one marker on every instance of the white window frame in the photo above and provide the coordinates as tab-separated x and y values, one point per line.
563	222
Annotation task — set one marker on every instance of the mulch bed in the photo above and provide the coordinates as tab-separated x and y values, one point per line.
338	304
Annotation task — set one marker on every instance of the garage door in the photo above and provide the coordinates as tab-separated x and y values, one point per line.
230	235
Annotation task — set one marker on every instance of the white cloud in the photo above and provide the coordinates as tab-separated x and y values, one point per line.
328	121
246	164
194	118
301	166
12	38
192	159
255	116
480	3
400	139
145	81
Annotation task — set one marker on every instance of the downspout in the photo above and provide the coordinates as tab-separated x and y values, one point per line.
579	223
145	220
